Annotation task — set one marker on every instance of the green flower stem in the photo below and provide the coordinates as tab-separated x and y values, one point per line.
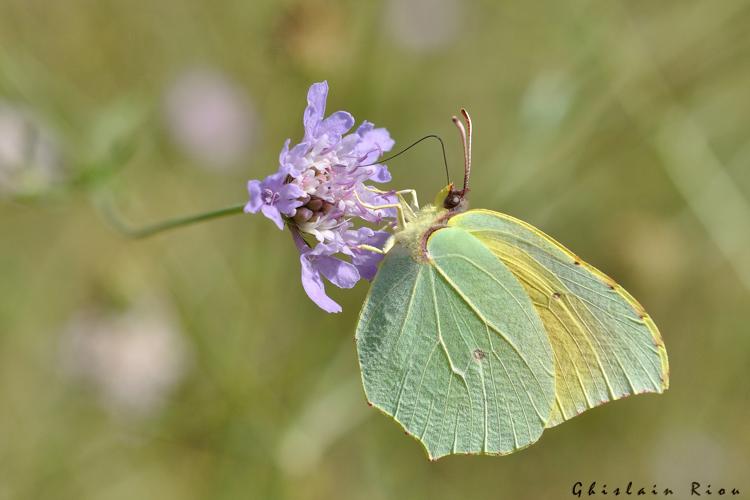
168	224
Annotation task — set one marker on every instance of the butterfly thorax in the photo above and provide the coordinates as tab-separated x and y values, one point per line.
411	235
420	225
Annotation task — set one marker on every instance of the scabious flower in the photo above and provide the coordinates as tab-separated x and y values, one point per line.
31	161
134	359
210	118
320	193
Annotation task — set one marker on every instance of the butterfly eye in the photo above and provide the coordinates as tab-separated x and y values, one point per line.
452	200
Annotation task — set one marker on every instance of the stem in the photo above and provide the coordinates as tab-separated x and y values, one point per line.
168	224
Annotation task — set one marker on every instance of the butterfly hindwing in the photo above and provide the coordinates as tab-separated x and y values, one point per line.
452	348
605	345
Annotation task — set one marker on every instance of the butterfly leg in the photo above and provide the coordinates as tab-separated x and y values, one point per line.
388	245
414	204
408	209
397	206
413	194
371	248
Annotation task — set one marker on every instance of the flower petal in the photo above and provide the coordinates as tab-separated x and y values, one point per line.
284	152
273	213
367	261
316	107
335	125
253	189
364	128
374	142
339	272
274	181
295	162
313	285
299	151
380	174
299	242
380	138
288	199
291	191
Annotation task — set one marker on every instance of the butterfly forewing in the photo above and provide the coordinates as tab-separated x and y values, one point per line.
452	348
605	345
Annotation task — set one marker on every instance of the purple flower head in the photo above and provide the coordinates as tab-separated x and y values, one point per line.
320	191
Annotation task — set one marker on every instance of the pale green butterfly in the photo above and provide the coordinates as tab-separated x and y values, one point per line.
480	331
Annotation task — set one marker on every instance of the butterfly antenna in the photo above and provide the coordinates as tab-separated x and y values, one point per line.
462	134
467	150
407	148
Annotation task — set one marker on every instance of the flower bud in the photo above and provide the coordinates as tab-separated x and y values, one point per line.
303	215
315	204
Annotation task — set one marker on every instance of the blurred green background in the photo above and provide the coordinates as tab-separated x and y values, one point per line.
192	365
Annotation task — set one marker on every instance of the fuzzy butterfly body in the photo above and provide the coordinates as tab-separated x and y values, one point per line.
480	331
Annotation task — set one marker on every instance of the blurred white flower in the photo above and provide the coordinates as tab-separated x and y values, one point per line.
210	118
134	359
424	25
29	157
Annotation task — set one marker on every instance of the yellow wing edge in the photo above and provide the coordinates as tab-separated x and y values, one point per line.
637	307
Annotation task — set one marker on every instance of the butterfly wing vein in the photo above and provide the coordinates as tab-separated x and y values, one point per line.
454	351
605	345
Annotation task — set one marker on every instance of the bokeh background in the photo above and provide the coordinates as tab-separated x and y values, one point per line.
192	365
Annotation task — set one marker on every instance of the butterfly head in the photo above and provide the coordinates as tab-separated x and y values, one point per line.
451	199
454	199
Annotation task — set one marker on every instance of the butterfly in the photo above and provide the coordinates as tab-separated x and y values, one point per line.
479	331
